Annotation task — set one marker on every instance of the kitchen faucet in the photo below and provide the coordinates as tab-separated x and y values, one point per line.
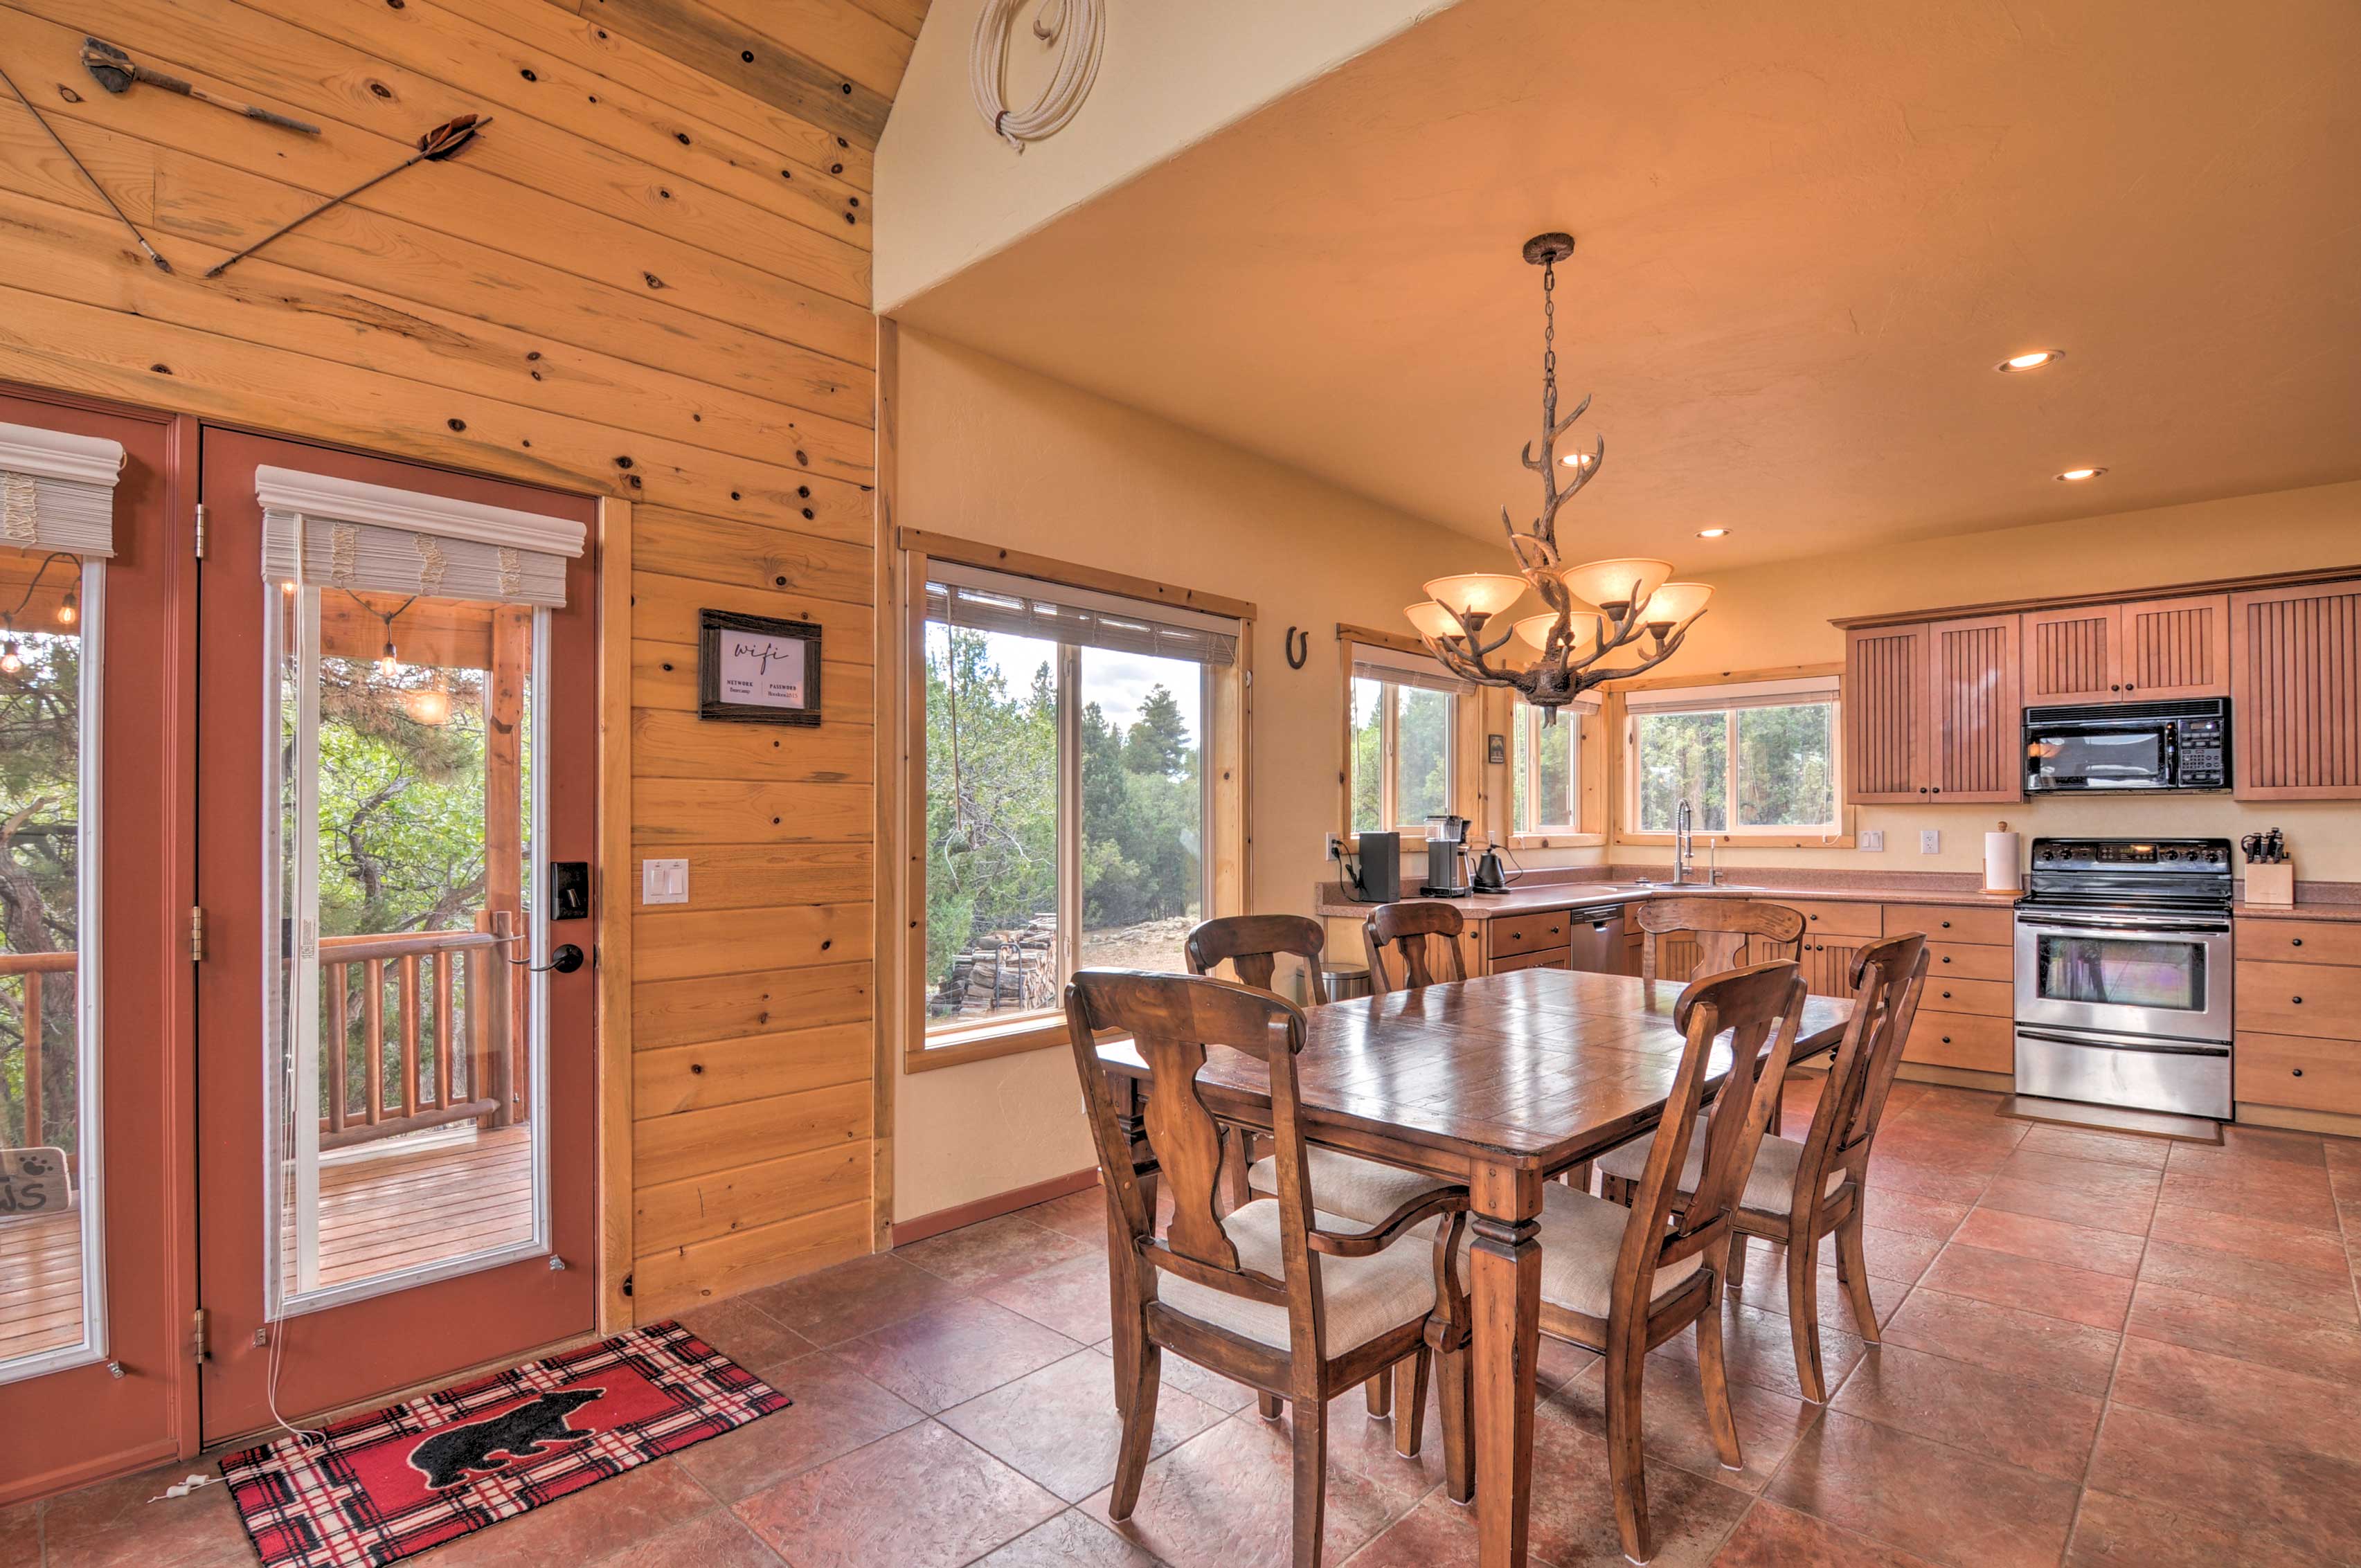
1683	825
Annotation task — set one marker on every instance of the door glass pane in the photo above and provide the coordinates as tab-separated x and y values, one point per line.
2113	971
408	1138
1785	779
1683	756
1422	787
1143	808
1370	698
992	825
47	1147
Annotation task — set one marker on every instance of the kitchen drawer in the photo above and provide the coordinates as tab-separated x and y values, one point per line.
2300	941
1961	1039
1547	957
1953	923
1511	933
1992	998
1827	916
2290	1069
2318	1001
1957	961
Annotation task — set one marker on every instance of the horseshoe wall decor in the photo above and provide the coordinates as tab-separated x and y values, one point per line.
1295	660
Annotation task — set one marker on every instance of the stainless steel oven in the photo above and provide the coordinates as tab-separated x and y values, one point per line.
2124	974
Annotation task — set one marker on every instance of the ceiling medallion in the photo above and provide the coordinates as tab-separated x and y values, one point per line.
1595	610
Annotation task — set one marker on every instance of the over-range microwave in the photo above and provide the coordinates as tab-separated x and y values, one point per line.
2094	747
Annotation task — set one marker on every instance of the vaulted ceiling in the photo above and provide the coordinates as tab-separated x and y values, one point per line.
1808	233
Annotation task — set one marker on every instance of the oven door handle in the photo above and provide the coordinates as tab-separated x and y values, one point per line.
2158	1047
2129	925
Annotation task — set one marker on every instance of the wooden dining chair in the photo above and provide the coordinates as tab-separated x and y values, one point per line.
1803	1189
1288	1299
1367	1190
1413	928
1722	929
1616	1280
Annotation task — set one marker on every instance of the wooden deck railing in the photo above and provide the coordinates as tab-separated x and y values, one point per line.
29	969
448	1044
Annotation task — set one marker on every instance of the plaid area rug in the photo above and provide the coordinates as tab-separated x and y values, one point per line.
386	1486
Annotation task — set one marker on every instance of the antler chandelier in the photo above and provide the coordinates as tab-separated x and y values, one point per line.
1595	610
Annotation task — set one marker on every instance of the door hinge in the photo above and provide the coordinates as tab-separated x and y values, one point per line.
197	934
197	1337
201	531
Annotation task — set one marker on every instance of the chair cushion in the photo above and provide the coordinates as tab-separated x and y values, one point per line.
1365	1297
1579	1238
1770	1186
1363	1189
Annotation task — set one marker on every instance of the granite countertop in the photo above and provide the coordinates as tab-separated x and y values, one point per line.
2313	901
1559	889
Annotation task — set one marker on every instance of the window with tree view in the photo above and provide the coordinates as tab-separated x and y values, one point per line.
1753	758
1545	769
1403	720
1066	787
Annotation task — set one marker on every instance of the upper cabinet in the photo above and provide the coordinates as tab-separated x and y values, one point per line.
2295	712
1932	711
2140	651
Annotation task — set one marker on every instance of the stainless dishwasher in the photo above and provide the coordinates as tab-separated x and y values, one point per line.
1595	939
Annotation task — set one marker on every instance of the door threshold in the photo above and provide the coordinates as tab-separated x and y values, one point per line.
2109	1119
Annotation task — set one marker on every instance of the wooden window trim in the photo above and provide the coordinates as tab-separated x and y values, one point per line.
1591	759
1228	720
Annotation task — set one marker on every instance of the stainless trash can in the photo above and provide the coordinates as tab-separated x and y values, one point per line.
1343	979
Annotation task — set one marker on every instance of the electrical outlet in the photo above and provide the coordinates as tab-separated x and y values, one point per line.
1873	840
1930	841
664	881
1336	846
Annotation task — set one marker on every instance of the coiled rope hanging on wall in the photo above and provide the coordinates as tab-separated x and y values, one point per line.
1077	26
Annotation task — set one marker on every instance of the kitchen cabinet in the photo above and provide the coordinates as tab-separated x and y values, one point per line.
2139	650
2298	1016
2072	655
1967	1012
2295	662
1933	711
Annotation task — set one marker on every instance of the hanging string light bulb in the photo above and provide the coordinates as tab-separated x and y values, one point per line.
12	656
70	608
388	662
10	659
431	705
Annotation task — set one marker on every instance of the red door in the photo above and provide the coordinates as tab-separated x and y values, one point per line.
396	1124
98	1270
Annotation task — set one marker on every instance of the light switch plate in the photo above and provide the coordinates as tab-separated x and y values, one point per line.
1930	841
664	881
1873	840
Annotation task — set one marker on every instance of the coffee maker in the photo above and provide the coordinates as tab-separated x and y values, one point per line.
1446	856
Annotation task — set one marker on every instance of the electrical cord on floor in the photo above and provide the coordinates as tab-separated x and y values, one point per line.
305	1435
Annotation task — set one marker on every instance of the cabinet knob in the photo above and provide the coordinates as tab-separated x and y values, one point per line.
1937	789
2297	1070
1922	789
1947	958
1947	996
2296	942
2115	688
2299	1002
1946	925
1811	918
1946	1039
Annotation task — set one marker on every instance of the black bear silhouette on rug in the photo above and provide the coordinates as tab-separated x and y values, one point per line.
447	1455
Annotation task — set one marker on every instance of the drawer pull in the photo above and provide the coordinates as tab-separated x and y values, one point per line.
1947	958
2296	942
2297	1071
1947	996
1946	925
1946	1039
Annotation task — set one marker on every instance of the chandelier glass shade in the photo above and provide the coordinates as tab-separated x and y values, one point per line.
1595	610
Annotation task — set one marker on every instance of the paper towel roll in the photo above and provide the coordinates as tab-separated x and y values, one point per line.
2002	872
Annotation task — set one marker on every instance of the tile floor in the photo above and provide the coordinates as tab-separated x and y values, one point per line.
2099	1350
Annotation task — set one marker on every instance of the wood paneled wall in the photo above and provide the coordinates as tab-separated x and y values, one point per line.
647	278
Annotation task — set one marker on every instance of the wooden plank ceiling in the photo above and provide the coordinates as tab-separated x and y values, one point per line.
648	278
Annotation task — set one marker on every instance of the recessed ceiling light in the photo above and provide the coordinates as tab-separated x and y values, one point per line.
1713	534
2031	359
2075	475
1577	460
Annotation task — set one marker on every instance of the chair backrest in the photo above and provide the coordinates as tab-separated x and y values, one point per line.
1722	928
1887	979
1758	1008
1252	943
1172	1019
1413	928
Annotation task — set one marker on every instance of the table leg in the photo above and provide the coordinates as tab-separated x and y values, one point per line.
1506	1288
1131	1121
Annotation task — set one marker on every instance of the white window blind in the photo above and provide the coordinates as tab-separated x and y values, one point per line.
1751	694
996	601
331	532
57	490
1373	662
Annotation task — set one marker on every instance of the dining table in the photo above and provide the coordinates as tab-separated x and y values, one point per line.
1499	1083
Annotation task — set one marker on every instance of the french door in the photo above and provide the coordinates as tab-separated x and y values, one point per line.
394	771
97	627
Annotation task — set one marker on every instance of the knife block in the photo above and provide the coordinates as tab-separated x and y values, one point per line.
2271	884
